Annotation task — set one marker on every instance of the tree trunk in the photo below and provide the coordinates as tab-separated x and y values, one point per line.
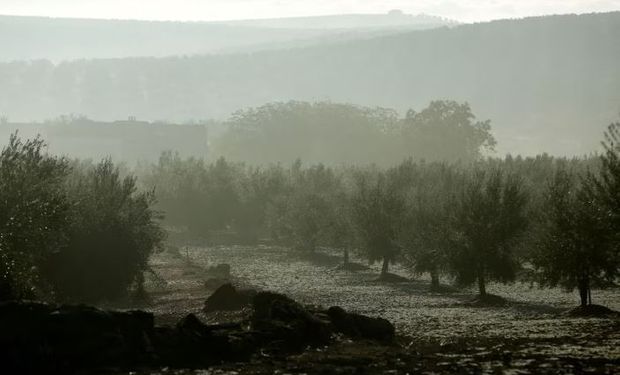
434	278
386	265
346	256
584	291
481	285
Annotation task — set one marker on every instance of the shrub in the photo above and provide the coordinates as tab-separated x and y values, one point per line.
113	232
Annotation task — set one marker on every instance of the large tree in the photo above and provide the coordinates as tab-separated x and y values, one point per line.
490	219
446	130
321	132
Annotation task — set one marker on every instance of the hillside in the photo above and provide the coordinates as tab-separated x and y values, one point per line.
548	84
393	19
58	39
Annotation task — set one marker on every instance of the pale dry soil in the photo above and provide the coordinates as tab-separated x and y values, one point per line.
439	332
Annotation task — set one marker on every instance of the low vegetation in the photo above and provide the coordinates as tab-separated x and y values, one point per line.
475	220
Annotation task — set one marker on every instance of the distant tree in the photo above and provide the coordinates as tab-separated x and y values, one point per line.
34	212
179	187
490	220
340	231
572	250
196	195
446	130
377	208
321	132
309	212
258	191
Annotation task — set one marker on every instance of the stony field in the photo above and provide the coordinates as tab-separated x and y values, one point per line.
439	332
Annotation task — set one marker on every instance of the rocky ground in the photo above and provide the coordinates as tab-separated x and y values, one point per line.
438	332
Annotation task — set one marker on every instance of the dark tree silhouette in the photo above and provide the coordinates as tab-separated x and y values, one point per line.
573	250
33	214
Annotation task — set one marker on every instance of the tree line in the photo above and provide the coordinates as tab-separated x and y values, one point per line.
554	219
335	133
77	231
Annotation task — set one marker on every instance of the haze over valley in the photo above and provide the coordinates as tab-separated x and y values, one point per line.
548	84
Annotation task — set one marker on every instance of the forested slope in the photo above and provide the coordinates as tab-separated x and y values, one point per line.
547	84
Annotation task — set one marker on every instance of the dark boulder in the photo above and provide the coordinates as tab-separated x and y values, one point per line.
192	343
39	336
360	326
227	297
280	320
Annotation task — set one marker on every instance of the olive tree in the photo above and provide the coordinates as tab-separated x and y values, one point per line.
113	231
572	250
377	209
580	245
33	214
428	233
490	220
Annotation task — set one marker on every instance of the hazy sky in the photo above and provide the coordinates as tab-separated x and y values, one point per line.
461	10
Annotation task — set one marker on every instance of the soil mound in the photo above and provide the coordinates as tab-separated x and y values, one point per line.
354	267
593	311
392	278
443	289
488	300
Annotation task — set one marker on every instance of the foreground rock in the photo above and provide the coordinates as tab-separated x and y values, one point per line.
227	297
360	326
43	338
38	336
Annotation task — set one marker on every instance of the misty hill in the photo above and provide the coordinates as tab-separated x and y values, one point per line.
393	19
57	39
128	140
547	84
